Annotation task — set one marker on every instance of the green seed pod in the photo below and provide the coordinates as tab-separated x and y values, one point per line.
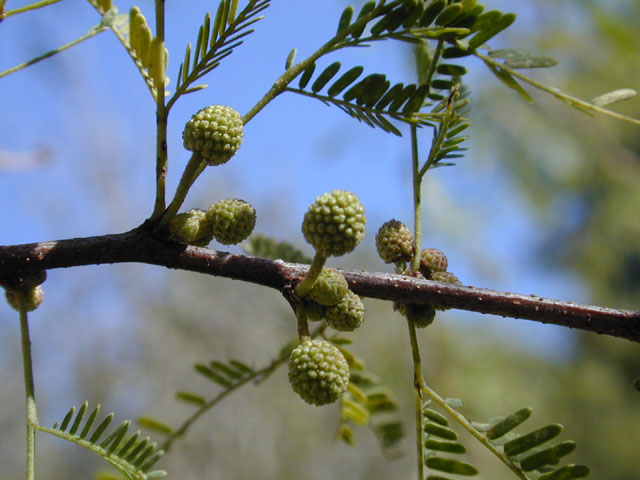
334	223
329	288
192	227
432	260
32	298
394	242
318	371
215	132
232	219
347	315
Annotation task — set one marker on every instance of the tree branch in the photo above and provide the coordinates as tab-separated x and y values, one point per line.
139	246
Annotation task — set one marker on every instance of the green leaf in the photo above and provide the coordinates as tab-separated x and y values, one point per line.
449	14
509	423
326	75
155	425
350	410
613	97
211	375
455	52
454	402
101	428
568	472
345	433
520	58
439	431
531	440
344	81
78	419
345	18
225	370
435	417
431	12
548	456
366	9
491	30
440	446
509	81
450	466
290	58
67	419
191	398
453	70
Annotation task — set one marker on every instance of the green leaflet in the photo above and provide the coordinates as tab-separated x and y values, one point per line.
449	15
344	81
546	457
520	58
439	431
568	472
345	18
531	440
509	81
431	12
130	456
443	446
509	423
450	466
326	75
491	30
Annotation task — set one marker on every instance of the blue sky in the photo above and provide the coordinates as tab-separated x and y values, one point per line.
93	115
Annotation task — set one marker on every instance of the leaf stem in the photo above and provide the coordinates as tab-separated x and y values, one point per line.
96	29
194	168
458	417
569	99
315	269
27	8
418	383
162	160
31	408
417	200
287	77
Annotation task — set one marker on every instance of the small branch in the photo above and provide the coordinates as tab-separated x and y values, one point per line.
138	246
27	8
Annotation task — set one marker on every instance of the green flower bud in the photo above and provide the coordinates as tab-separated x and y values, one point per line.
421	315
232	219
192	227
432	260
215	133
334	223
329	288
445	277
394	242
32	298
347	315
318	371
314	311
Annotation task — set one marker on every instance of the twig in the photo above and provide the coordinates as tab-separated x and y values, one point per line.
138	246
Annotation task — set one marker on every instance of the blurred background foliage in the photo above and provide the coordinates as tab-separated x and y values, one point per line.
570	186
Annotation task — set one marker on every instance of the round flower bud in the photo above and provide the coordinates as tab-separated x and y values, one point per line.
318	371
329	288
334	223
347	315
215	133
432	260
232	219
32	298
192	227
394	242
314	311
421	315
445	277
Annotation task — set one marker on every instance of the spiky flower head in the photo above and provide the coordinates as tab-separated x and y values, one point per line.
421	315
215	133
394	242
232	219
318	371
192	227
432	260
329	288
445	277
32	298
347	315
313	310
334	223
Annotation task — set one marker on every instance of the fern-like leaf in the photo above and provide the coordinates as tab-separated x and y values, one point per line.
368	403
216	40
132	457
527	451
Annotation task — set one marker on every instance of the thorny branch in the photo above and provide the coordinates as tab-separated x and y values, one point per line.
140	246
